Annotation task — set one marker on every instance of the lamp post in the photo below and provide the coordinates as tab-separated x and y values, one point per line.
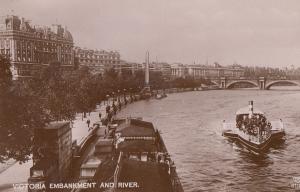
118	96
131	98
107	97
113	93
125	100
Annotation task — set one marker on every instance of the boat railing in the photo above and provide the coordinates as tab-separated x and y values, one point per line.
118	169
277	125
246	136
265	136
258	139
228	126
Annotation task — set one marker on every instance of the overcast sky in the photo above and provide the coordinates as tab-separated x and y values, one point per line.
249	32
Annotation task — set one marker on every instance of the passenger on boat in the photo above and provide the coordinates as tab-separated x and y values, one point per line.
269	125
239	125
107	109
245	123
252	124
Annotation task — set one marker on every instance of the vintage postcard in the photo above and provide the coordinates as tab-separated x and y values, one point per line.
149	96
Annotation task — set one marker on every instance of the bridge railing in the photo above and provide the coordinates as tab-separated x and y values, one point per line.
256	78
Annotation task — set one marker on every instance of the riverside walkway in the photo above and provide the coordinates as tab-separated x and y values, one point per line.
80	131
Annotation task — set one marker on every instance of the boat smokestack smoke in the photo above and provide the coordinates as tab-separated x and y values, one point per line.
250	109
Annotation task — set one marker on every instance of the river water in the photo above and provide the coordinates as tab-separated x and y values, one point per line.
190	124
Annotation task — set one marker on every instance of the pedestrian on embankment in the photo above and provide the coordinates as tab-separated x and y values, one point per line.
120	105
88	122
114	108
109	115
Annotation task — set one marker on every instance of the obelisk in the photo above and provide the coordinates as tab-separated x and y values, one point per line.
147	70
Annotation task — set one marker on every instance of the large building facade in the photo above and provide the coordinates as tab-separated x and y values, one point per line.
206	71
130	66
178	70
30	47
162	67
97	61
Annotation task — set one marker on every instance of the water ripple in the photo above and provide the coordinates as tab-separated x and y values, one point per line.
190	124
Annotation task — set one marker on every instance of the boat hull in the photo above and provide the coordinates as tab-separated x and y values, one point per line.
276	136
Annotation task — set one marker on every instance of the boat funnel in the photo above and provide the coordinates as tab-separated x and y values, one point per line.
250	109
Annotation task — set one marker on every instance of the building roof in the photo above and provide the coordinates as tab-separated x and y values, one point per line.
56	124
104	172
79	50
104	142
54	32
91	163
68	35
104	146
150	176
138	146
136	128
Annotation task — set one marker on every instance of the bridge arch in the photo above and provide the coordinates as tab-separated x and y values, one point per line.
230	84
214	82
270	84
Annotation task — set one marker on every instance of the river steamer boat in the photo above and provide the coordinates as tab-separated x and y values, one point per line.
253	131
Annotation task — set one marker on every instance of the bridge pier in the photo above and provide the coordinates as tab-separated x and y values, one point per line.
223	83
262	83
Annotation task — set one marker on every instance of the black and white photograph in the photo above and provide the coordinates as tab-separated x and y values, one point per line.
149	96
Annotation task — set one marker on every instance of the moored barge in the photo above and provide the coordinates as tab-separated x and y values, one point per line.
132	156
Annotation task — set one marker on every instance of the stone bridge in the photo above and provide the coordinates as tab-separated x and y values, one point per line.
261	82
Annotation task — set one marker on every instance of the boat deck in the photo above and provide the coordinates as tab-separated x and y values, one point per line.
253	142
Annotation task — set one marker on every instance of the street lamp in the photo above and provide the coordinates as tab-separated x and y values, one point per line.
107	97
118	95
131	97
113	93
125	101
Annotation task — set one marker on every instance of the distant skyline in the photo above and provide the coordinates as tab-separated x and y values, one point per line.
248	32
